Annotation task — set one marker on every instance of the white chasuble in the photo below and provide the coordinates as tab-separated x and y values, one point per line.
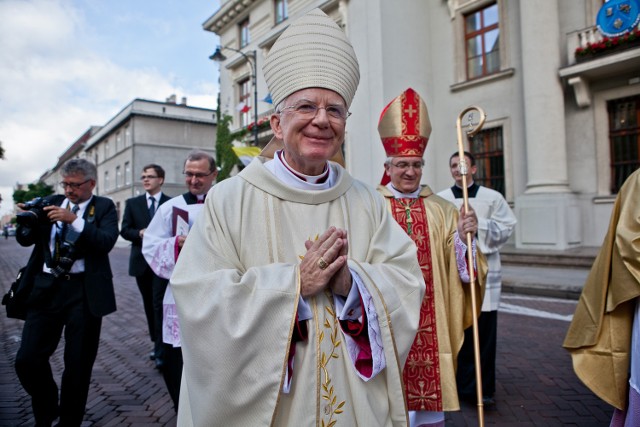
159	245
236	287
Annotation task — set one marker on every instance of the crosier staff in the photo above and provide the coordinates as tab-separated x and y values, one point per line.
472	129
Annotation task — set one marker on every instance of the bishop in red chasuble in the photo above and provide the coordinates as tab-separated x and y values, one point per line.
438	230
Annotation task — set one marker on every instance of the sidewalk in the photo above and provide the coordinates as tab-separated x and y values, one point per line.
559	274
557	282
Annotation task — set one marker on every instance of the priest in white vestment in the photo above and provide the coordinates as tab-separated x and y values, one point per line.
496	222
298	294
162	244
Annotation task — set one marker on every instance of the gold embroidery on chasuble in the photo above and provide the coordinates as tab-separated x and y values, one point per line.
328	345
404	213
328	349
421	373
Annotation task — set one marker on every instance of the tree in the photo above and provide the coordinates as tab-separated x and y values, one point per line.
39	189
225	157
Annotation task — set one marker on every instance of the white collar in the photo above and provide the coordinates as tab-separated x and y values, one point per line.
81	206
400	195
284	174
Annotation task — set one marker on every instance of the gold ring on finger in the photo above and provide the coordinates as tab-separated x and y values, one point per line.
322	264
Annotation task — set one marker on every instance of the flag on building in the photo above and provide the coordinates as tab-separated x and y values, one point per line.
246	154
243	107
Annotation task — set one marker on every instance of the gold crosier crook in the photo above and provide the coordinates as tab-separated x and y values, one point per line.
471	130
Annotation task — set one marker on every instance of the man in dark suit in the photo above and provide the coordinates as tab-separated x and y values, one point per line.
72	290
138	212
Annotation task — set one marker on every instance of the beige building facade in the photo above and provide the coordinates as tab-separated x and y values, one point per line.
143	132
147	132
562	129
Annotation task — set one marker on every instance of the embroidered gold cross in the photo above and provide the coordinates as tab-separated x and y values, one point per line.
410	111
407	211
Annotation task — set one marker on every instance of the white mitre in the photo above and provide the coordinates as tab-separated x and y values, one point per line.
312	52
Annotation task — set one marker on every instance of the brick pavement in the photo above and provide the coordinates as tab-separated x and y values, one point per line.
535	382
126	389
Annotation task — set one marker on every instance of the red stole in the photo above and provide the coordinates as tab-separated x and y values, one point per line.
421	373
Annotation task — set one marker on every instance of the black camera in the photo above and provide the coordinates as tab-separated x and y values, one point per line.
67	253
33	213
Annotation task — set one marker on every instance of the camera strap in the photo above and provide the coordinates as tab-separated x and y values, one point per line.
65	235
47	255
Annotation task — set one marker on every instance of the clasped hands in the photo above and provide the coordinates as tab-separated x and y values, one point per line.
325	264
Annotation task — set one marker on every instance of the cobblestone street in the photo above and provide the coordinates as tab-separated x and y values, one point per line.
536	385
126	389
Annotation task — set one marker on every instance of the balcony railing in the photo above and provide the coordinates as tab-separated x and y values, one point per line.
243	133
591	40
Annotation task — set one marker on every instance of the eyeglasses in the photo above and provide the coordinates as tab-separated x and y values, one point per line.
406	165
191	175
73	185
308	110
143	177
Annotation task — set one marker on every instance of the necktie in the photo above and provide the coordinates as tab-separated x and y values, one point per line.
65	226
152	208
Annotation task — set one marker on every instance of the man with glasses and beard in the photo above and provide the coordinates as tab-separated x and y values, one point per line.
72	290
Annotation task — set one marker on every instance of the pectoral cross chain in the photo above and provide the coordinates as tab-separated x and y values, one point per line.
407	210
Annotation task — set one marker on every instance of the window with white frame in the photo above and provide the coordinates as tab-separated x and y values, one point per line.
482	41
281	10
244	102
487	147
127	136
624	139
127	173
118	176
118	142
107	184
245	37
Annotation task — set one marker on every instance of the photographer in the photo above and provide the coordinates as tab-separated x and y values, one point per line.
72	289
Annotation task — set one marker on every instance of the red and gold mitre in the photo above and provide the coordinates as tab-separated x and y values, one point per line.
404	126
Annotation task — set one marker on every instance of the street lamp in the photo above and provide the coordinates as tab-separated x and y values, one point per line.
252	59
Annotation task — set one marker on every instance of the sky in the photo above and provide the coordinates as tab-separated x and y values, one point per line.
66	65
